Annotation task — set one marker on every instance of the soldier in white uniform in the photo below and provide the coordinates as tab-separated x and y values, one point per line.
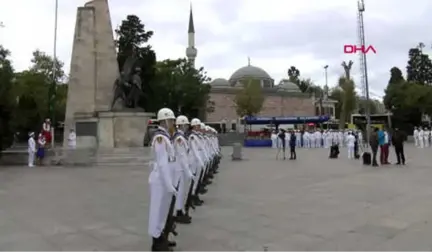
426	135
162	188
416	137
183	173
197	146
31	149
420	136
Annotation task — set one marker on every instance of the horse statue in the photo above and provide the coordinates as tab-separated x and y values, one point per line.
127	88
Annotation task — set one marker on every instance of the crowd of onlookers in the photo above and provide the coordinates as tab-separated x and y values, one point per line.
382	140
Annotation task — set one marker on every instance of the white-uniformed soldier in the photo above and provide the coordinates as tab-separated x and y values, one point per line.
197	149
206	155
162	188
184	174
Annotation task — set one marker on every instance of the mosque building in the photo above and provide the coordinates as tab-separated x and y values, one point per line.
282	100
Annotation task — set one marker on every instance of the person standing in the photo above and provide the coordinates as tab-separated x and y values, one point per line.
350	142
274	139
31	149
41	148
182	174
162	188
46	131
72	139
282	145
426	134
420	137
386	147
374	143
416	137
292	144
398	139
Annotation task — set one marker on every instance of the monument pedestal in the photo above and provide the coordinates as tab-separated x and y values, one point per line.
122	129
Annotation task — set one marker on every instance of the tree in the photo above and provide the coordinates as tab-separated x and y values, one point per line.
182	88
32	89
249	99
337	95
43	64
349	100
405	114
132	40
347	68
363	103
293	74
348	94
7	100
419	68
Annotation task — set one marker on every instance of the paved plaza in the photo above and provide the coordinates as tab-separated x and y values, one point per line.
312	203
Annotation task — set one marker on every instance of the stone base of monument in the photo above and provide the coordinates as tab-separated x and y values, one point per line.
105	131
122	129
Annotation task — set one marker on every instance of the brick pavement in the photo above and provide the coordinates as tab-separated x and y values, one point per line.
310	204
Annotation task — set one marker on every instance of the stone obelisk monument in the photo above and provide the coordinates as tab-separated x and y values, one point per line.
93	71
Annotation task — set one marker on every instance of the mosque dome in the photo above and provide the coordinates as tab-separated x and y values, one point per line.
219	82
288	86
249	72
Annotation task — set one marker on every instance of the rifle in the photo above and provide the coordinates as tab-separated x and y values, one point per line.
189	203
170	222
199	183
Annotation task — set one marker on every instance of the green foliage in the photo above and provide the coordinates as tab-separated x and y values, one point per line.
349	99
362	106
7	102
249	99
181	88
132	40
349	96
337	95
31	94
419	68
293	74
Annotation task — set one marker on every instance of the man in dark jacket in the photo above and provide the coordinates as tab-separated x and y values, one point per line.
398	140
373	142
292	144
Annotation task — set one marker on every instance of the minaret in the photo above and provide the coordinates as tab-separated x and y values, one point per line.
191	51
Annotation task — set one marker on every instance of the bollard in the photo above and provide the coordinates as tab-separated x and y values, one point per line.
237	152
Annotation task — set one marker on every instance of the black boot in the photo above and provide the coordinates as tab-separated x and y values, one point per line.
210	176
160	244
182	218
197	201
202	190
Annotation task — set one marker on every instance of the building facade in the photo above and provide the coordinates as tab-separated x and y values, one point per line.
283	99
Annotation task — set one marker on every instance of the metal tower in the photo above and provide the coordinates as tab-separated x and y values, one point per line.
360	34
363	66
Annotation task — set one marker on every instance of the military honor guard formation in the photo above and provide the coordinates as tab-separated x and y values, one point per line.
186	156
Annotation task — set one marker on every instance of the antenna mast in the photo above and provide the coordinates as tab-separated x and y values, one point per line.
360	30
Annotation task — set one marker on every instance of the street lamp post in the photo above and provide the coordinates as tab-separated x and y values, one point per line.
53	86
324	95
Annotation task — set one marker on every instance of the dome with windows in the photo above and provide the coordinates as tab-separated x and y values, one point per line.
251	72
288	86
220	82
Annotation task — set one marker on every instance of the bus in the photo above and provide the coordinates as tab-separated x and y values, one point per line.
377	120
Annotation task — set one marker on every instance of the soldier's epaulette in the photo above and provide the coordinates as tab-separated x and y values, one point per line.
176	134
160	132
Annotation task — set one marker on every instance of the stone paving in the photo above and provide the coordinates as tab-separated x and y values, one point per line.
312	203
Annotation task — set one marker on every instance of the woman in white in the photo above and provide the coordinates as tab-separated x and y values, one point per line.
350	142
274	139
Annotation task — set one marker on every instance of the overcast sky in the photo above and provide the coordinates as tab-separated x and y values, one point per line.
275	34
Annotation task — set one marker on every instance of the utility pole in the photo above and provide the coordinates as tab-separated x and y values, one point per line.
53	85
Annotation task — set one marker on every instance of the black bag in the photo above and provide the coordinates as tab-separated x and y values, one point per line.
334	151
367	158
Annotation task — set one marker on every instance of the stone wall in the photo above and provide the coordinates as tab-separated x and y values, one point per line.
274	105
